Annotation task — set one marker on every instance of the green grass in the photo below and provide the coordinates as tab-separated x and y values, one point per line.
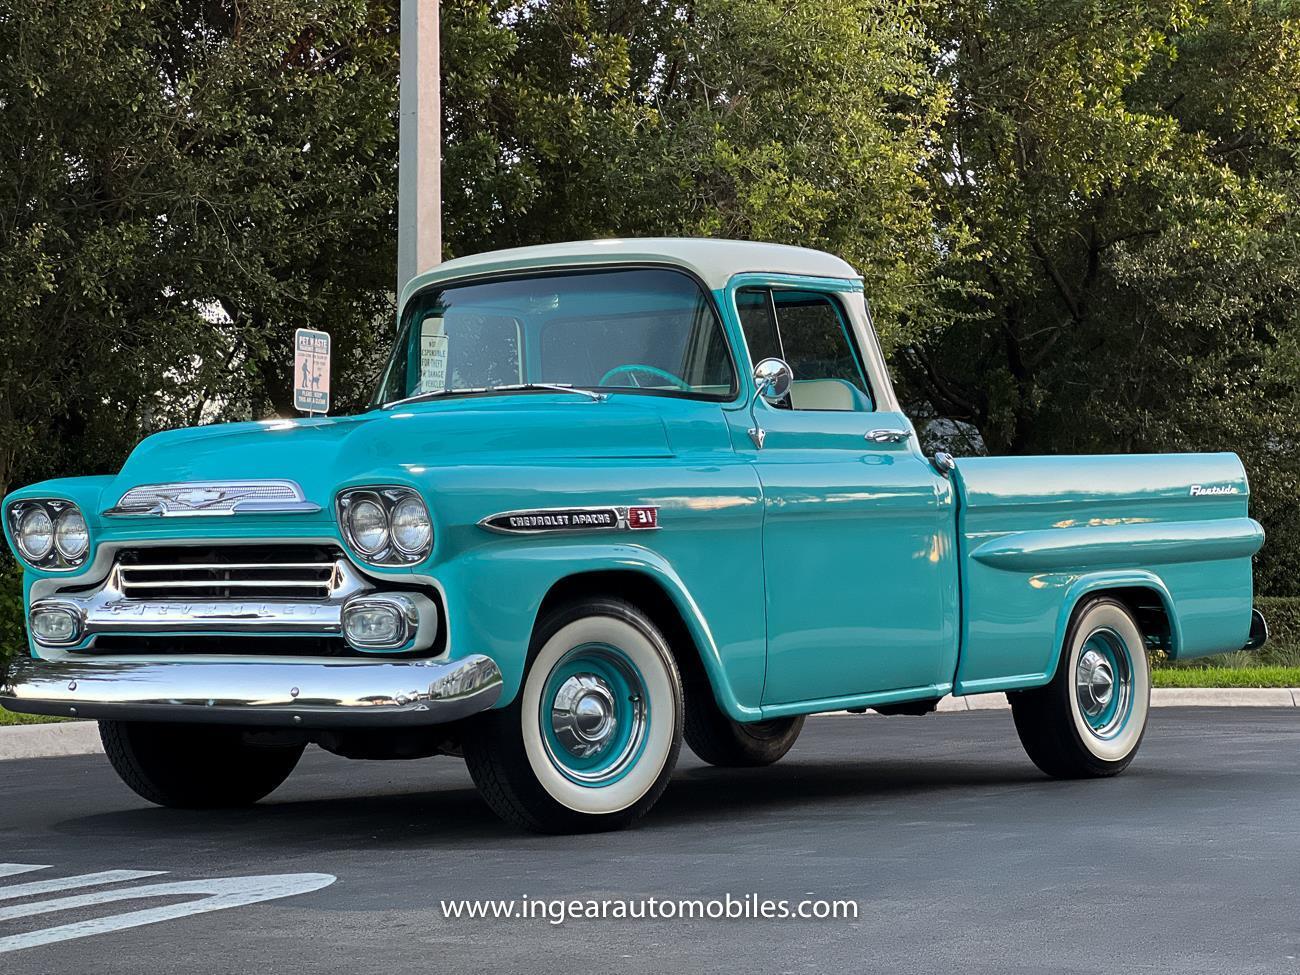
1226	676
8	718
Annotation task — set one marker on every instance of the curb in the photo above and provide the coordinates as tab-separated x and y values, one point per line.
82	737
1161	697
50	740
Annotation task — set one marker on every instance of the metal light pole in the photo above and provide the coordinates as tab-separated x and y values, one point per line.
419	162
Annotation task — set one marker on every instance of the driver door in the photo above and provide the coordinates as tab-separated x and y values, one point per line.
857	534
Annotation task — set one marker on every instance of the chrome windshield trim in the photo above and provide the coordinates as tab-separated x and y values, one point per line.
191	499
573	265
253	691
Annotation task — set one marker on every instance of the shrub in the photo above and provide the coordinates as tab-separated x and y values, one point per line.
1282	649
13	638
1283	615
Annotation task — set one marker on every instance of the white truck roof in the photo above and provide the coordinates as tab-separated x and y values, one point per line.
715	262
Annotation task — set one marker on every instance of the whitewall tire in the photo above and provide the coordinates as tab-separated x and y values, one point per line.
1090	720
593	735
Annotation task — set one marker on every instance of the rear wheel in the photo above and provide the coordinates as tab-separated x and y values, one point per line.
590	741
1089	721
196	766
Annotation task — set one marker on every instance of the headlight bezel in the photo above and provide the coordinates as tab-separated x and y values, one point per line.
54	559
387	497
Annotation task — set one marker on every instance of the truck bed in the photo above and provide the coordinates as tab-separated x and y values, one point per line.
1037	533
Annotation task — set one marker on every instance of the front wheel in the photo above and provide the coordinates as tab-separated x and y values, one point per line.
590	741
1089	721
196	766
715	738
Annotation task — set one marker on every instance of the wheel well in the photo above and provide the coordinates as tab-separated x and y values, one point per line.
1149	611
648	595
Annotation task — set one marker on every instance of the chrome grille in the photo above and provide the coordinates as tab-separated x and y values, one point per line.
229	572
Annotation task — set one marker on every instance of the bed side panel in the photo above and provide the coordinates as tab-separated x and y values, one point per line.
1038	533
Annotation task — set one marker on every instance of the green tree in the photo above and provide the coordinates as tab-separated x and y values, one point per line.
798	122
181	184
184	182
1077	219
1129	172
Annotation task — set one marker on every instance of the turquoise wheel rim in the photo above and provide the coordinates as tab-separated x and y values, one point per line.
594	715
1103	683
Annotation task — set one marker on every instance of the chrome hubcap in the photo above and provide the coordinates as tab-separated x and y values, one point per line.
582	715
594	715
1103	683
1096	682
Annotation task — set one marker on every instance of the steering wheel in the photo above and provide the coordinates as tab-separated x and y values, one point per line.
632	367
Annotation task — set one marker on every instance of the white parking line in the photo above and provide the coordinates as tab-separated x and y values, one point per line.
71	883
214	894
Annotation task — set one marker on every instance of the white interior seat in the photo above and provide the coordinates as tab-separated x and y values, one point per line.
822	394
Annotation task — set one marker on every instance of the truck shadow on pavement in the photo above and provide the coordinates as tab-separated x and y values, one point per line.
451	812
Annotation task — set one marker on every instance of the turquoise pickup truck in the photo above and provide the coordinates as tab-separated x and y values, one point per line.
609	496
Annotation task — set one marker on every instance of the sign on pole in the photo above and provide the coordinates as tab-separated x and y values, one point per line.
311	371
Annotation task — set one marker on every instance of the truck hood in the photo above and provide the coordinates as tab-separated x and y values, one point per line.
322	453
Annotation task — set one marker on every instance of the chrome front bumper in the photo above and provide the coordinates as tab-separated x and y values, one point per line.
256	691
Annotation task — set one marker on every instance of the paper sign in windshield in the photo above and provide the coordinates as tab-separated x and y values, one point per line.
433	356
311	371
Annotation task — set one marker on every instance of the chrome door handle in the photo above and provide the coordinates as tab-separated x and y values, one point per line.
885	435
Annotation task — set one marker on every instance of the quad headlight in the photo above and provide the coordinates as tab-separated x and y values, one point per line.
35	533
410	525
71	537
386	525
50	533
368	525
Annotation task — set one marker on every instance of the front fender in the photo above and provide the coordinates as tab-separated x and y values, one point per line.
493	595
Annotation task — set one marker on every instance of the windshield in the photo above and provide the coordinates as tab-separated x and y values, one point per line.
647	330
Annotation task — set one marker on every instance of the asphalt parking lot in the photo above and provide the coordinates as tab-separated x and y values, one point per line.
959	854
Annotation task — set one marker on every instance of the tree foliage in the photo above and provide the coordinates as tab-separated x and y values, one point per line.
804	122
1077	219
1129	171
181	184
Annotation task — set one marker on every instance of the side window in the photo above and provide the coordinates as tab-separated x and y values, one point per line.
758	320
807	330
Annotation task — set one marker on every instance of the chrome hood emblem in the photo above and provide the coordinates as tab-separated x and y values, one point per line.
191	498
197	497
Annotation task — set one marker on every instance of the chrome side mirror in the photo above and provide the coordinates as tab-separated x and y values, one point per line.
773	377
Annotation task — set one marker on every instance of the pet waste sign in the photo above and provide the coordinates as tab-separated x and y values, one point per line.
311	371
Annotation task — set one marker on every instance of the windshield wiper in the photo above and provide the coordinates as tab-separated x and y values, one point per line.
553	387
513	387
434	394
